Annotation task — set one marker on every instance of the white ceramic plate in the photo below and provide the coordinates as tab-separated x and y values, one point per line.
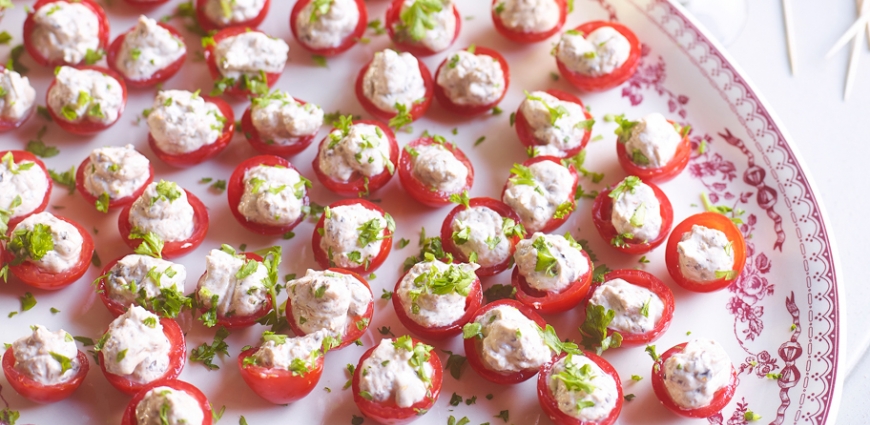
789	278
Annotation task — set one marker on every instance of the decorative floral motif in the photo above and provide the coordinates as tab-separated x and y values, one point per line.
651	75
761	364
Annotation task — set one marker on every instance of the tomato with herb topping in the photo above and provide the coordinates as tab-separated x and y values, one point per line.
236	321
430	196
526	133
209	25
714	221
239	89
33	275
467	110
324	259
358	185
619	75
661	174
269	147
550	405
236	189
205	152
554	222
160	75
472	303
113	203
349	41
400	38
177	357
602	210
38	392
30	26
276	385
17	158
130	418
548	302
417	110
85	126
117	308
501	209
171	249
6	125
721	397
524	36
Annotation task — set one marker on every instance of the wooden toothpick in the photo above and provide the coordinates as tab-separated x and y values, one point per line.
857	40
789	35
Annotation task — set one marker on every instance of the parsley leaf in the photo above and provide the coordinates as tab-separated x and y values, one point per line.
205	352
594	329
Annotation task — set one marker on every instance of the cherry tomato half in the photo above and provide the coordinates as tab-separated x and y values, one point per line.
550	405
171	249
661	174
206	152
602	209
17	158
358	184
348	42
129	417
721	397
322	256
263	146
177	357
394	12
414	187
472	303
37	392
237	321
34	276
91	199
548	302
615	78
236	189
211	61
12	125
709	220
85	127
528	37
553	223
447	234
471	110
209	25
279	386
526	133
30	26
160	75
418	109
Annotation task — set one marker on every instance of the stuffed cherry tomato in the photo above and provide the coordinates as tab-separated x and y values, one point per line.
45	367
388	389
353	234
58	32
598	55
442	28
86	100
168	398
165	216
552	274
541	192
654	149
599	403
267	195
395	87
562	135
214	15
331	31
149	53
483	231
25	185
113	177
431	170
244	62
186	129
148	281
472	81
524	21
278	124
234	292
706	252
48	252
634	217
694	379
356	158
312	300
139	348
18	99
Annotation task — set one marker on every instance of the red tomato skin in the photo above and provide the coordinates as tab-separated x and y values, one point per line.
386	244
527	135
471	110
255	139
472	303
236	188
177	357
238	322
129	417
86	127
12	125
206	152
211	61
551	407
472	346
351	40
529	37
414	48
30	26
615	78
159	76
447	234
656	175
713	221
115	308
416	189
602	209
171	249
356	184
209	25
113	203
417	109
32	275
352	332
278	386
17	157
553	223
548	302
37	392
392	414
721	398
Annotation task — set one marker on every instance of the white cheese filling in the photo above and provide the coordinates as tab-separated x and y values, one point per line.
637	212
693	375
653	142
249	53
422	289
637	309
363	149
239	287
41	356
65	238
148	48
393	79
327	30
388	376
600	53
118	171
352	235
181	122
325	300
22	186
706	255
481	230
136	347
528	16
574	401
163	209
168	406
556	133
511	341
438	34
65	31
436	167
470	79
281	120
282	352
85	95
273	195
550	263
16	96
537	195
137	279
228	12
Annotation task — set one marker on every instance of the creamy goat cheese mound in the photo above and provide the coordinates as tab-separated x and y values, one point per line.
135	346
239	290
281	120
352	235
325	300
599	53
86	95
554	137
537	198
118	171
17	96
362	150
136	275
163	209
637	212
22	186
693	375
148	48
550	263
67	242
653	142
703	252
591	406
228	12
388	376
481	230
272	195
637	309
249	53
393	78
437	168
529	16
418	291
280	353
327	30
438	34
168	406
511	341
470	79
65	31
181	122
38	356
